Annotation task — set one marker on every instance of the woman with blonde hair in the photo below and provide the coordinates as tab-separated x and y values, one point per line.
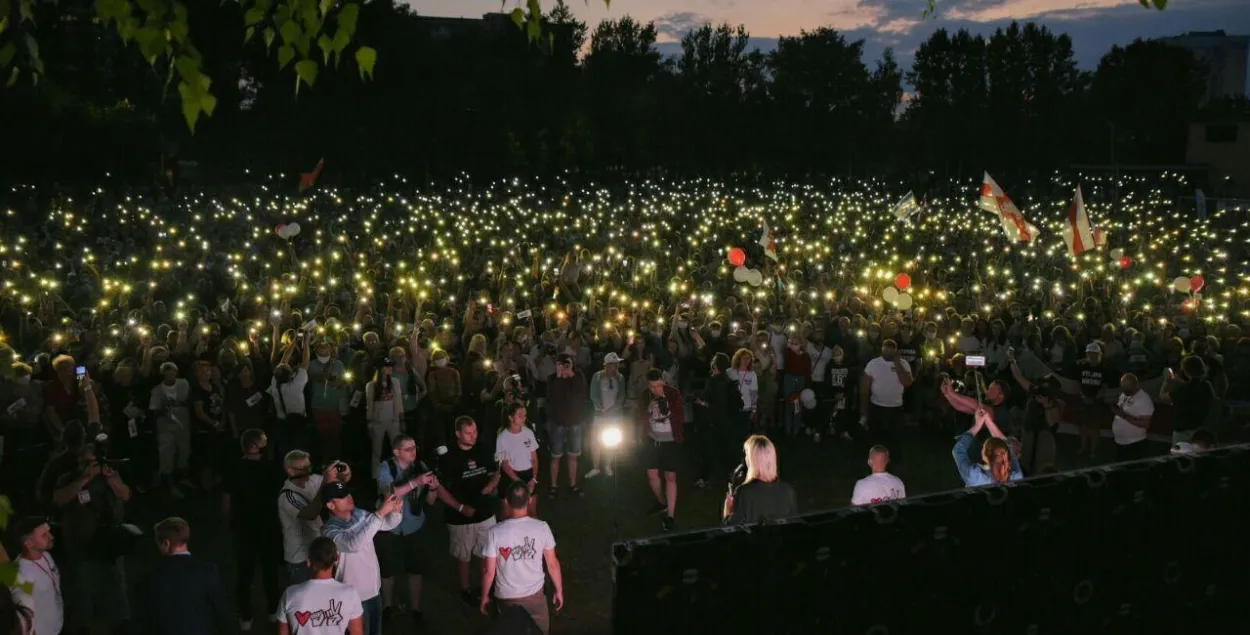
760	495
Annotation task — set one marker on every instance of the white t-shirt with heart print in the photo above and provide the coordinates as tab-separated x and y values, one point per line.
517	545
319	607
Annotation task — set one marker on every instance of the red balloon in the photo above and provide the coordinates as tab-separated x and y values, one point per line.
1126	262
737	257
902	281
1196	284
277	229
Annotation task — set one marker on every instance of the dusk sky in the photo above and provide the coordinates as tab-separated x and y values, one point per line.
1094	25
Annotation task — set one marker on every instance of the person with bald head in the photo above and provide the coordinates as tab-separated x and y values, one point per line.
1132	412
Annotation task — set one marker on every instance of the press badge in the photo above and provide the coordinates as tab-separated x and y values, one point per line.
132	428
254	399
84	497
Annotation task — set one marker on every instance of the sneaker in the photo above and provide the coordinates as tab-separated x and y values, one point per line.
608	471
593	473
816	437
552	492
577	491
668	524
245	625
657	509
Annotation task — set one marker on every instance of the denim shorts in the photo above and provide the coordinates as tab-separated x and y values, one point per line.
566	438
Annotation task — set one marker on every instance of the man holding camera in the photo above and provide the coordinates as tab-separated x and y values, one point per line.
400	550
662	418
299	509
91	513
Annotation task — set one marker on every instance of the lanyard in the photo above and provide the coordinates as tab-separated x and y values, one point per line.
55	579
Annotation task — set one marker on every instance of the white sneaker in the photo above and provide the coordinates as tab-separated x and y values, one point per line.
245	625
592	473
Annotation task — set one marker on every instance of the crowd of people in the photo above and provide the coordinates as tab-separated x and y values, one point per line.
416	351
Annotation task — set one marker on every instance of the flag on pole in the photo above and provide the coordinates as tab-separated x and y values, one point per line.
995	201
906	207
309	179
768	242
1079	235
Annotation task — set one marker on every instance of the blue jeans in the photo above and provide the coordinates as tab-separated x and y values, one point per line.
373	615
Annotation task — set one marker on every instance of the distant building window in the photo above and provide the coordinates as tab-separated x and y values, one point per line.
1222	133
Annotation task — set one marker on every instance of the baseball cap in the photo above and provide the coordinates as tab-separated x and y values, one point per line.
611	358
1093	348
334	491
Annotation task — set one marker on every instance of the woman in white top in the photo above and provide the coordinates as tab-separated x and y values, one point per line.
384	410
516	451
742	375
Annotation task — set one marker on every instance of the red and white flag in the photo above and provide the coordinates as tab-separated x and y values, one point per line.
768	242
309	179
995	201
1078	234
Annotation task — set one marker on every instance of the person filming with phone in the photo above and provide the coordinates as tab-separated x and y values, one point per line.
352	529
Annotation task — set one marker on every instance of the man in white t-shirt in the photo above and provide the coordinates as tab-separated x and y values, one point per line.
512	562
1132	420
287	389
38	584
322	605
881	396
880	485
299	509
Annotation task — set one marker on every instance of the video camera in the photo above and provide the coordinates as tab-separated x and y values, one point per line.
102	452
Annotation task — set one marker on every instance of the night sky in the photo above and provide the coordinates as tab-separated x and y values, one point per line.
1094	25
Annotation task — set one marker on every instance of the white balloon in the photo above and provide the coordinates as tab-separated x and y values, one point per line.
294	229
756	278
741	274
1182	284
903	302
1117	253
890	295
808	399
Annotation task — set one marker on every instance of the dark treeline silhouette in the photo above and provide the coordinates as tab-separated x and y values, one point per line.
477	95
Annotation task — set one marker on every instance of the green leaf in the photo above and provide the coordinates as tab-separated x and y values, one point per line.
4	22
341	39
285	54
151	41
12	76
535	29
208	103
290	31
366	57
32	47
1161	4
348	16
326	5
179	30
268	33
247	34
253	16
7	53
518	17
306	70
188	69
327	47
192	103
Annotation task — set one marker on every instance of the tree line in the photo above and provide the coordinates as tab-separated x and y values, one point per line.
450	96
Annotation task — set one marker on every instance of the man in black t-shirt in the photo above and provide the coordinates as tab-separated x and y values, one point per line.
470	476
1095	377
250	502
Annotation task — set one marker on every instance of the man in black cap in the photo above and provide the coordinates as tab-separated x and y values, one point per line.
352	530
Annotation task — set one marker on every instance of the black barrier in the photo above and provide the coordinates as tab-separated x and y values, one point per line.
1154	546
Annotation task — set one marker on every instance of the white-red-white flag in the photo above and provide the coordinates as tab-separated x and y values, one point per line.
1078	233
768	242
995	201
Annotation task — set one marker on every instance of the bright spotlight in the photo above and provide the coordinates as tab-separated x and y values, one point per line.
611	436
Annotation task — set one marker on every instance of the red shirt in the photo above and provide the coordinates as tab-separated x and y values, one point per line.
64	402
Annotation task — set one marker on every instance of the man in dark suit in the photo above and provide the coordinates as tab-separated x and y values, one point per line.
183	594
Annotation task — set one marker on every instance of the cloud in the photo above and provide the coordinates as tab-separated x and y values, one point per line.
674	26
762	44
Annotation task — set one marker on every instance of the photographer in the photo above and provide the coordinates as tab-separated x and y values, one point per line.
755	492
662	418
401	549
90	502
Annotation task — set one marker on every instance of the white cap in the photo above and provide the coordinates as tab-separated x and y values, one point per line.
1183	448
611	358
